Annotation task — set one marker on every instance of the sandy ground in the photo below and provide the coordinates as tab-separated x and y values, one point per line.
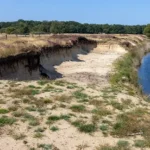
91	76
93	68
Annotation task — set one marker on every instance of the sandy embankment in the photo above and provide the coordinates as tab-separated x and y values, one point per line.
94	67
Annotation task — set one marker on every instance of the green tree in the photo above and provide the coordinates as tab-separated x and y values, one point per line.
147	30
10	30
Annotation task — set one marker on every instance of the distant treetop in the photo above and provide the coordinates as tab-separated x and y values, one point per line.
26	27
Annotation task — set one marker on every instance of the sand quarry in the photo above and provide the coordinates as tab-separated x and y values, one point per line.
77	112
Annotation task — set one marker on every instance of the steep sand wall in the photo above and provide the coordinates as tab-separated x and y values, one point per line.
29	67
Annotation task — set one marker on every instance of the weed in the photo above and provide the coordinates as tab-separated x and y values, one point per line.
42	82
83	127
34	122
123	143
101	112
108	147
87	128
79	95
4	111
140	143
65	117
40	130
38	135
63	98
4	120
18	114
54	118
78	108
104	127
13	108
95	119
45	146
54	128
60	83
117	105
19	136
82	147
31	108
96	103
127	123
124	71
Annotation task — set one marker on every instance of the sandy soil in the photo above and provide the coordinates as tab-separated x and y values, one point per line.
91	77
93	68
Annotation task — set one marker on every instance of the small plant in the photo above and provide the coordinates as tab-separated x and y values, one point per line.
40	130
20	136
65	117
78	123
63	98
104	127
100	111
42	82
13	108
54	128
79	95
78	108
54	118
117	105
140	143
60	83
4	111
45	146
87	128
18	114
6	121
38	135
31	108
34	122
123	144
108	147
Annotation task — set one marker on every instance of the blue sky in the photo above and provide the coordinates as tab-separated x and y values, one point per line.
84	11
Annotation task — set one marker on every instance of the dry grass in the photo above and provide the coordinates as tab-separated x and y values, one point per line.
16	45
22	44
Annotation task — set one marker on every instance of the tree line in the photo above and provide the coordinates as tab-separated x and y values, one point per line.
26	27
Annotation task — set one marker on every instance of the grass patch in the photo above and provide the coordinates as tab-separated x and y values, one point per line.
54	118
38	135
96	103
100	111
136	121
124	71
19	136
121	145
40	130
54	128
63	98
83	127
60	83
42	82
4	111
4	120
19	93
117	105
78	108
80	96
31	119
87	128
45	146
103	127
